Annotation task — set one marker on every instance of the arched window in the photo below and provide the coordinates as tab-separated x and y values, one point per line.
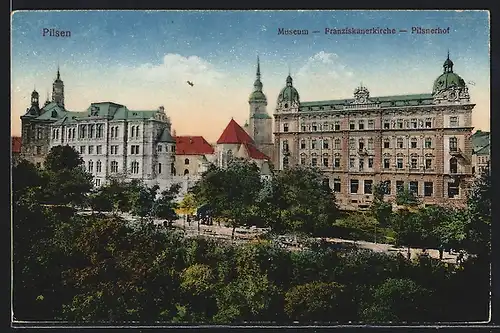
337	144
186	172
303	144
98	166
91	166
91	131
453	165
428	142
413	142
186	161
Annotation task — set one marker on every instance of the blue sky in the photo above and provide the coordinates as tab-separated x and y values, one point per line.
142	59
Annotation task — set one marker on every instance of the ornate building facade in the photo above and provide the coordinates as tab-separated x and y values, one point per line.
112	140
421	142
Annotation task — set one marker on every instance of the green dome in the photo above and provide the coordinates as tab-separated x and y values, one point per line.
448	79
289	93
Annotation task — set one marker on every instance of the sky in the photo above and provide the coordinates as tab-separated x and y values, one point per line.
143	59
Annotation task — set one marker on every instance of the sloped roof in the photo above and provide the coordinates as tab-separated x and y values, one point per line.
16	144
255	153
234	133
480	139
192	145
165	136
484	151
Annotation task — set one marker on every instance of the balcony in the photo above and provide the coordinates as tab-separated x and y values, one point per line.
362	151
456	152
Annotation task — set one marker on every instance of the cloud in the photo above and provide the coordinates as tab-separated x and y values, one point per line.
176	68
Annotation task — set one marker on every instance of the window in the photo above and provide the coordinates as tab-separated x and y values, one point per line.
453	121
98	166
91	149
98	150
414	163
387	186
98	132
453	144
82	149
370	143
387	163
337	144
399	163
387	143
313	144
368	186
361	164
302	144
134	167
352	125
38	150
326	182
91	166
428	122
354	186
39	133
337	125
336	185
428	189
325	161
285	127
302	160
428	163
400	185
453	165
371	124
351	163
453	190
370	162
172	148
314	161
413	187
361	124
400	143
414	123
113	150
325	144
303	127
314	127
134	149
285	162
400	123
387	124
186	161
97	182
352	143
159	167
336	162
114	166
172	168
286	149
428	143
361	144
91	131
160	147
413	143
325	126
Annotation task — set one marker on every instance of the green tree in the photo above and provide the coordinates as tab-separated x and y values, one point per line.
406	198
62	158
302	201
381	209
315	301
142	201
231	192
197	285
408	228
164	206
397	300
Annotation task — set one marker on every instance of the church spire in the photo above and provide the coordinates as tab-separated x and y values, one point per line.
258	68
258	84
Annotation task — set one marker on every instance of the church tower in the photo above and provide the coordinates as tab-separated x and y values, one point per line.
260	124
58	90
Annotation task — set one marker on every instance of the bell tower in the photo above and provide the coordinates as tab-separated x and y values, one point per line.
58	90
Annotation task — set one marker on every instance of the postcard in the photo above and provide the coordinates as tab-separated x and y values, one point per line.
261	167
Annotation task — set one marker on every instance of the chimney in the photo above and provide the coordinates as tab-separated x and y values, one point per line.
161	109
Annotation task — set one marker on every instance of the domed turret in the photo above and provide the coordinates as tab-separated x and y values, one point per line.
448	79
288	94
257	95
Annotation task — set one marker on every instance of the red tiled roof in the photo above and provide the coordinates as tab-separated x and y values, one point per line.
16	144
254	153
192	145
234	133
